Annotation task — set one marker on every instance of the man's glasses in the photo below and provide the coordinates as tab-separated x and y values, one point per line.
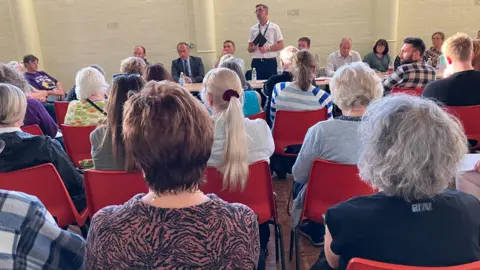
127	76
258	11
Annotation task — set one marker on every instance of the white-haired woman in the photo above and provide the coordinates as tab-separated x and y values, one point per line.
353	87
238	141
411	152
90	88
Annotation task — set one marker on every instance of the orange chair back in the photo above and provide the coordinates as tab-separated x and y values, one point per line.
77	142
291	127
104	188
329	184
362	264
32	129
258	192
470	118
44	182
411	91
61	108
260	115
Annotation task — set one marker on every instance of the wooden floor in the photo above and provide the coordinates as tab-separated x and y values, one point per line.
309	253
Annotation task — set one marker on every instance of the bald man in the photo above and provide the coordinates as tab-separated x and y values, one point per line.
345	55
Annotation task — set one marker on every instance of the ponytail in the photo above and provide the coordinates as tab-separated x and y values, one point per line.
304	63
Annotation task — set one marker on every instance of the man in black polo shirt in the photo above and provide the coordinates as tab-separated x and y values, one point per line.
462	87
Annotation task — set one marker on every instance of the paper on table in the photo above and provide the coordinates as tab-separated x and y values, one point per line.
468	162
322	78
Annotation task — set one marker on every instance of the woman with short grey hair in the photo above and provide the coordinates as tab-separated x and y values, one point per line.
353	87
411	151
132	65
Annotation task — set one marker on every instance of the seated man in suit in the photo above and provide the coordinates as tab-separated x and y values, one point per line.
191	66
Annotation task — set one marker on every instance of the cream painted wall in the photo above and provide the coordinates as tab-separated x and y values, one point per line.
74	33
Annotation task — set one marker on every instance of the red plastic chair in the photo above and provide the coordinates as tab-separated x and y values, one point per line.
258	195
61	108
469	116
411	91
260	115
291	127
98	188
329	184
77	142
363	264
32	129
45	183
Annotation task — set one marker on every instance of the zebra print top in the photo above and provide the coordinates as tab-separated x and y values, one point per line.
212	235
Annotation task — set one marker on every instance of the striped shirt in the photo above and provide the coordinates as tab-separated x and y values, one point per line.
287	96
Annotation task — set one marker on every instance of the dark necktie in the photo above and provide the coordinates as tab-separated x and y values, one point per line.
185	67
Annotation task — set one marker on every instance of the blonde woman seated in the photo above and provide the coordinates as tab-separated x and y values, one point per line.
411	152
238	141
90	88
353	87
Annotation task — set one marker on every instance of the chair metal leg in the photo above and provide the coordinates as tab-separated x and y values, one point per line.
84	230
297	247
276	242
282	247
292	239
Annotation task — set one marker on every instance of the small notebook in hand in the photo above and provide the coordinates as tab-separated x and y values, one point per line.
260	40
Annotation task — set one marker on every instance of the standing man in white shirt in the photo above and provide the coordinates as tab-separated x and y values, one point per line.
264	53
345	55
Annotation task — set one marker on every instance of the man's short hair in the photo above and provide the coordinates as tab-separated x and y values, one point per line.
458	47
262	5
29	58
229	41
345	39
417	44
183	43
143	48
442	35
306	39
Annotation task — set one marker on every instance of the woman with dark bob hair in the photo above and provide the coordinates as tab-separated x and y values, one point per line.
169	134
157	72
378	59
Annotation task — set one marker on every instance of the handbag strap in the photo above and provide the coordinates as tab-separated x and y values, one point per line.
96	107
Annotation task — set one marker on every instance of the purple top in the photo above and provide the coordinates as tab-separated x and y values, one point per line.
211	235
37	115
41	80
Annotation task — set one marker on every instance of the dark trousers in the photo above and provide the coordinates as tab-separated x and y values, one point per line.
265	67
51	110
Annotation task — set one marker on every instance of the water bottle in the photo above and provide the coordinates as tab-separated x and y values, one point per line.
429	62
441	63
254	75
181	81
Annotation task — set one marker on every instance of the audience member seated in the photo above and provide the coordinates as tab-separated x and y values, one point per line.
72	94
32	93
304	43
413	219
140	52
31	238
462	87
191	66
300	94
40	80
157	72
188	228
23	150
229	49
90	88
345	55
433	54
251	98
286	59
476	54
413	72
36	114
132	65
378	60
108	150
353	87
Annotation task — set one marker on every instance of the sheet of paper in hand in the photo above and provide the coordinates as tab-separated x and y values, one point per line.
259	40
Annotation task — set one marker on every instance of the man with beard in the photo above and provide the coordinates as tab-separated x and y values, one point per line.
413	72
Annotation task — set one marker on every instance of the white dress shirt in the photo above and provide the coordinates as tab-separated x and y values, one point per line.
273	35
259	141
9	129
336	60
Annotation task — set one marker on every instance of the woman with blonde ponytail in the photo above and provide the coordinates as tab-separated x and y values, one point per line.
238	141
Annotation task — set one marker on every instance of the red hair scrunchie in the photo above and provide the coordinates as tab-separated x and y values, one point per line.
227	95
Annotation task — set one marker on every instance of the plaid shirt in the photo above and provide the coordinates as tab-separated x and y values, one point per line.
415	75
432	54
30	238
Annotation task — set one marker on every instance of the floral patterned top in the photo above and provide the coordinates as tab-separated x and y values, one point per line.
81	113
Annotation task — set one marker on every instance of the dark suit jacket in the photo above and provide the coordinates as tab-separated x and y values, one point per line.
196	66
